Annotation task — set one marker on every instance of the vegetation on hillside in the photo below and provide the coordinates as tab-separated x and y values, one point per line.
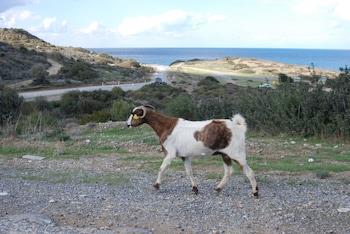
21	55
294	108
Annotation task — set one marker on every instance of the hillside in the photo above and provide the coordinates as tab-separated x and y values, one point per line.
20	51
240	71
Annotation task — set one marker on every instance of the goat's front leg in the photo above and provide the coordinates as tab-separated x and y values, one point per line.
166	162
188	168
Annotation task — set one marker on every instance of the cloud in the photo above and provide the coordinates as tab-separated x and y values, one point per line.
93	27
11	17
48	22
50	25
171	22
336	8
7	4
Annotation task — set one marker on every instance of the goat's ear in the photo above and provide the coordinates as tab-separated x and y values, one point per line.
149	106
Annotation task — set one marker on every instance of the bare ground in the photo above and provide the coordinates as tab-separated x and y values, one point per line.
81	201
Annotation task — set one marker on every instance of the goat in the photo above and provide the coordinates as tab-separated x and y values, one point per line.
182	138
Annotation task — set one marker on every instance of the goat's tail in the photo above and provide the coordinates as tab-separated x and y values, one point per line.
239	122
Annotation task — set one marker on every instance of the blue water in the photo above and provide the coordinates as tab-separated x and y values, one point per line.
327	59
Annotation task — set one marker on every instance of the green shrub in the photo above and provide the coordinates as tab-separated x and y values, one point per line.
120	110
283	78
10	105
117	93
76	103
98	116
78	70
39	75
182	106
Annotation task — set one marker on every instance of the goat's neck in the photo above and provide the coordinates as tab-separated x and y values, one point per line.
163	125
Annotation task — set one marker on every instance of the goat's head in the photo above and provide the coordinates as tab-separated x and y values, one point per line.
137	116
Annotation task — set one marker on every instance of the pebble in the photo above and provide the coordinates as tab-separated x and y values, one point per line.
33	157
343	209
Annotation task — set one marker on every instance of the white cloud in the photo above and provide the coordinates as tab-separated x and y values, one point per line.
10	18
50	25
170	22
48	22
93	27
336	8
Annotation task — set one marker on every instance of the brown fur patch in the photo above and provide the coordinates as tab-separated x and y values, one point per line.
161	124
227	159
240	166
215	135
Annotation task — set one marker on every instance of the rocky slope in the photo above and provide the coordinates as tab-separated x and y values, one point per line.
20	51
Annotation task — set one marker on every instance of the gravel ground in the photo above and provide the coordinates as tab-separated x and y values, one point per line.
288	204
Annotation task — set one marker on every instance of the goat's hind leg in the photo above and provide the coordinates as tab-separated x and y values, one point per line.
188	168
250	174
227	172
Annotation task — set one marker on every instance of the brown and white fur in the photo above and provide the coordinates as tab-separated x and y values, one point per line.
186	139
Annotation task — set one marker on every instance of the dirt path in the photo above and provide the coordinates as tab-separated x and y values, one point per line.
54	68
127	202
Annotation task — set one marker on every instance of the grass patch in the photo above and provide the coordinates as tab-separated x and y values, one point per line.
142	134
296	164
342	157
9	150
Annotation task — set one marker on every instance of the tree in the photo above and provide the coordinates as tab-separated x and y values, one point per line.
39	75
283	78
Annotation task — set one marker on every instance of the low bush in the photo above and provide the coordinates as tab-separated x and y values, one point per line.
10	105
77	70
120	110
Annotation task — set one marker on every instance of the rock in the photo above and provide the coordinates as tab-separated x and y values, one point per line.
335	147
343	209
32	157
87	141
310	160
318	145
52	201
4	193
292	142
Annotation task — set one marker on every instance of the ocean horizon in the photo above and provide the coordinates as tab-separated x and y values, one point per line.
331	59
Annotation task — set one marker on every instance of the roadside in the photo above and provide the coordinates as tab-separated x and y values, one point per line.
101	180
56	94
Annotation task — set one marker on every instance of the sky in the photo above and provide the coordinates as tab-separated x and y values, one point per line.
318	24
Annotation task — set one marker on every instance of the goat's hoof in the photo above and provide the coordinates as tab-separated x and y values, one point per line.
156	186
218	189
195	190
256	195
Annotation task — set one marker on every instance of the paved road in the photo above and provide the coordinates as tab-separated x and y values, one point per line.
56	94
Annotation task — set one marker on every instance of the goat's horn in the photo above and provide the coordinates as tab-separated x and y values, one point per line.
149	106
144	111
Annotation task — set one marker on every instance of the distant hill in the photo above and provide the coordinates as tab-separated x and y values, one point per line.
20	51
240	71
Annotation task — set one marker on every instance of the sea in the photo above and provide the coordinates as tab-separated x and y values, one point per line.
320	58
